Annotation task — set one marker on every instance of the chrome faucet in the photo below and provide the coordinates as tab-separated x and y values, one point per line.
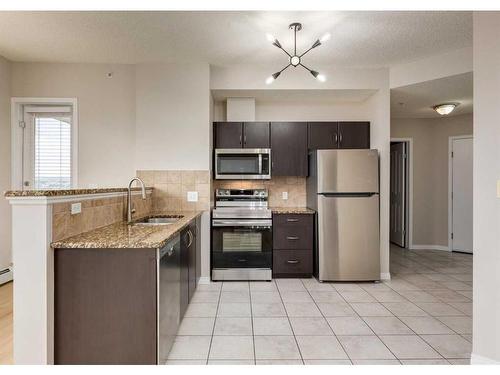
131	210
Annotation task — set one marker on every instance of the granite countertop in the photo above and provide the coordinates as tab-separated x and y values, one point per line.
293	210
123	236
56	193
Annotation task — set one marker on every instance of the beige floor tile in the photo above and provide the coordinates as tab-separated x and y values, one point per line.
449	346
265	297
439	309
331	296
426	325
418	296
310	326
465	307
467	337
291	285
184	362
271	326
456	285
387	325
205	296
239	296
370	309
234	310
280	362
404	309
459	362
357	296
268	309
387	296
302	309
347	287
263	286
371	362
375	287
233	327
341	362
459	324
336	309
196	327
190	347
320	347
365	347
231	362
231	286
315	285
231	347
349	326
201	310
290	296
425	362
210	287
409	347
276	347
447	295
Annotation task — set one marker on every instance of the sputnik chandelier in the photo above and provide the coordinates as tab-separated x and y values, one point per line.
295	60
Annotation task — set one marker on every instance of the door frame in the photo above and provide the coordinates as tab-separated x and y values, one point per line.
409	189
450	184
16	110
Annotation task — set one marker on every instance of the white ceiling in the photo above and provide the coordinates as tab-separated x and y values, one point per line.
416	101
359	39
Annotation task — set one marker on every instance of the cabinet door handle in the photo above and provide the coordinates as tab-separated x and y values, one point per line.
292	261
190	234
245	139
292	220
240	139
340	138
292	238
170	251
335	138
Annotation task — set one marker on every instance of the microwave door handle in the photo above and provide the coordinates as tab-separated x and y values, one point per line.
260	164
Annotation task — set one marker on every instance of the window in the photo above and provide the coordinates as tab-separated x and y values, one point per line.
52	149
47	147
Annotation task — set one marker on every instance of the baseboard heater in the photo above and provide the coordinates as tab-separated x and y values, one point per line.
5	275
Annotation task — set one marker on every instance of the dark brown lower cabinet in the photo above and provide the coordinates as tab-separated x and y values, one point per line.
188	265
293	245
105	306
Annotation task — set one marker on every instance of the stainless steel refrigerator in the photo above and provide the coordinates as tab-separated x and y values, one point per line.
343	188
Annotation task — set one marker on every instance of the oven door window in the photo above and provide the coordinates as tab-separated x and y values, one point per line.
228	164
241	240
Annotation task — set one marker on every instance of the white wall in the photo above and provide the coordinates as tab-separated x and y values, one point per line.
486	318
172	116
5	219
106	113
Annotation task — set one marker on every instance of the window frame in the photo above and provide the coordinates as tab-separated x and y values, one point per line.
17	109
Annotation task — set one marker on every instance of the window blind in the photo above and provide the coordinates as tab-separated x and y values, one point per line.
52	146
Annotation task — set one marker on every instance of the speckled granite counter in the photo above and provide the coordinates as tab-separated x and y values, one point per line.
56	193
121	236
293	210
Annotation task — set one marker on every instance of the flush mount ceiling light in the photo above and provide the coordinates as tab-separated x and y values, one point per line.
294	59
445	108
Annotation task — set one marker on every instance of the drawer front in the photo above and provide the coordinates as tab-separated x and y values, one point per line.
293	232
290	262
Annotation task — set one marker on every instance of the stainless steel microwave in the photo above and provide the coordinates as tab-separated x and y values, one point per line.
243	164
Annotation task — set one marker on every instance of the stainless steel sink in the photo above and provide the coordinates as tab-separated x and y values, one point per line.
157	220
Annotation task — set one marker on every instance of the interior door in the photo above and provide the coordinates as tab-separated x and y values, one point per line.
462	195
398	194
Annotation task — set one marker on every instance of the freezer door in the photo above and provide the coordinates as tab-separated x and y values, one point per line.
347	171
348	238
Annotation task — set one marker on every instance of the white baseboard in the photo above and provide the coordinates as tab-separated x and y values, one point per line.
385	276
6	277
429	247
476	359
204	280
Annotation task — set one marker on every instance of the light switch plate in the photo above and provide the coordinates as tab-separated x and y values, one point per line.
284	195
192	196
76	208
498	188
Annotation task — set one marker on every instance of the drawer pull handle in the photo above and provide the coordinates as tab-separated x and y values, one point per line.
292	261
292	220
242	260
292	238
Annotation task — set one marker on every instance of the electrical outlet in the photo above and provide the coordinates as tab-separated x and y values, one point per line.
498	188
192	196
284	195
76	208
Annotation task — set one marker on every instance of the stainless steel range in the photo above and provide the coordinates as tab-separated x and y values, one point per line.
241	235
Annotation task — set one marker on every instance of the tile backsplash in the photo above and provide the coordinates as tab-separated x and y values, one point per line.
171	188
95	213
294	186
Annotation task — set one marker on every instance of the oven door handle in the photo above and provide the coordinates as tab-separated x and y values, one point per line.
243	223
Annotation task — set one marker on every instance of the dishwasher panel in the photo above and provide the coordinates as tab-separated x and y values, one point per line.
168	297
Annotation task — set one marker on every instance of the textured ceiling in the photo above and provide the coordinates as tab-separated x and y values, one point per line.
416	101
359	39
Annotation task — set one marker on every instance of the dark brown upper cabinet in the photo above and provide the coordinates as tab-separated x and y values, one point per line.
354	134
241	134
289	149
323	135
344	135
